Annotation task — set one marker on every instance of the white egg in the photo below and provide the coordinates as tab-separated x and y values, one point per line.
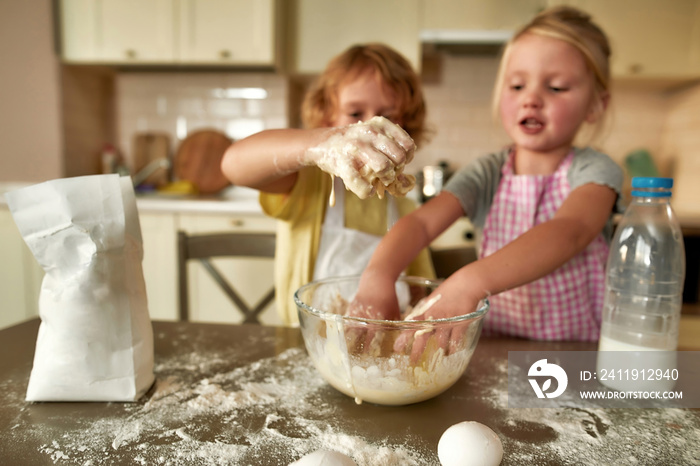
324	458
469	444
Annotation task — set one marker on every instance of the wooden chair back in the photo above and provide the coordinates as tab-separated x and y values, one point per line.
205	247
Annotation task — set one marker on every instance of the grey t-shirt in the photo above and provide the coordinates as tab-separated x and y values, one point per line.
476	184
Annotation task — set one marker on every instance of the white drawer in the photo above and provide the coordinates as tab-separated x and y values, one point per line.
459	234
192	223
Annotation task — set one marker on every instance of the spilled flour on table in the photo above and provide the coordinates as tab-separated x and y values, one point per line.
583	434
204	410
268	412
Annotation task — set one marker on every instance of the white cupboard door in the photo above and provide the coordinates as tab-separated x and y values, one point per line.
118	31
324	29
237	32
159	234
137	30
649	38
20	275
79	30
695	43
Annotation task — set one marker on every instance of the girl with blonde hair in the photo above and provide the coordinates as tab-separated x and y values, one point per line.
543	207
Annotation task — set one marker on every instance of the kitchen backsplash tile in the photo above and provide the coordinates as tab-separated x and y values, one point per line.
458	91
458	97
238	104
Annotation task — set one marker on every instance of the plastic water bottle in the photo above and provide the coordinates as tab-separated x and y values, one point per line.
644	281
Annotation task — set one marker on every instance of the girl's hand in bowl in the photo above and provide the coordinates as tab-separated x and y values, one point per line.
443	303
375	300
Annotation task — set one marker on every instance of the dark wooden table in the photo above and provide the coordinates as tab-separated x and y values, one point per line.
248	395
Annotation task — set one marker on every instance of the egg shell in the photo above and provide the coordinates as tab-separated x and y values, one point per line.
470	443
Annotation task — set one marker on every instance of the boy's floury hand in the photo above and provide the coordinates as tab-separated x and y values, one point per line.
368	156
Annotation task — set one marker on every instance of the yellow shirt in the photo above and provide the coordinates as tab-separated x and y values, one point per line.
299	232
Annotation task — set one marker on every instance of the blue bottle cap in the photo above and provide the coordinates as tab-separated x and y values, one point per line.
653	186
652	182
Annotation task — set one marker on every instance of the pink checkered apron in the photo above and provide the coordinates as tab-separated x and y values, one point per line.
564	305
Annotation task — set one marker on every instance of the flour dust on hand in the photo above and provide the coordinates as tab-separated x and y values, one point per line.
369	157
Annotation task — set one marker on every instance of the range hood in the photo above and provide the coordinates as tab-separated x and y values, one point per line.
466	41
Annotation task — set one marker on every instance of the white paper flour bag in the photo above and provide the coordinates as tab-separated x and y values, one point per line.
95	342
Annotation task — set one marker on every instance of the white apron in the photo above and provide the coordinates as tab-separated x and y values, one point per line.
344	251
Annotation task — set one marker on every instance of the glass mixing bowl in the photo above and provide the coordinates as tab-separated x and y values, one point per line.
361	358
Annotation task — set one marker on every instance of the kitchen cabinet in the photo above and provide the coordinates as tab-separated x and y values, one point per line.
118	31
161	32
159	233
460	234
226	31
478	15
322	29
695	43
20	274
454	248
649	38
208	303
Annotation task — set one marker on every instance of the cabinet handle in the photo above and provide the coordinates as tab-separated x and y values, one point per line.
225	54
130	53
636	68
468	235
237	222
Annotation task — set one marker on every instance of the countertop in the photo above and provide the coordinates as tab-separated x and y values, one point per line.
249	395
232	200
242	200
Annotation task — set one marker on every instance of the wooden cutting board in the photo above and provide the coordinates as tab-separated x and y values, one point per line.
198	160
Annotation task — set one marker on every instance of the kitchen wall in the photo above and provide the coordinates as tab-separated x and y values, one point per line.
178	103
49	112
30	127
87	117
458	94
458	91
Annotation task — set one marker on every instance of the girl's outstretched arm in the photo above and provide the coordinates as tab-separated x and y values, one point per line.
532	255
364	155
269	160
410	235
